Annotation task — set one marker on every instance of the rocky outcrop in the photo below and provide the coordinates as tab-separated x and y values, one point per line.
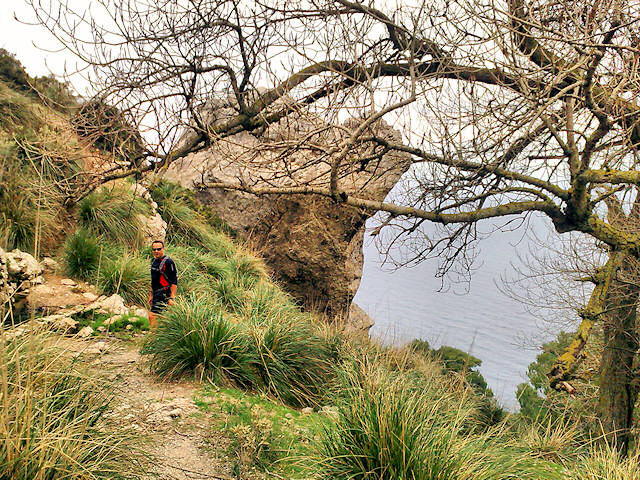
312	244
19	273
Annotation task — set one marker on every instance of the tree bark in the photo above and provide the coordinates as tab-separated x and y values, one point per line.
618	395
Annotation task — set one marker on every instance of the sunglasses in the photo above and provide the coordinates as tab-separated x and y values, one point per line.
157	249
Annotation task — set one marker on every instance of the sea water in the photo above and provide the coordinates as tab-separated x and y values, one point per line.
478	317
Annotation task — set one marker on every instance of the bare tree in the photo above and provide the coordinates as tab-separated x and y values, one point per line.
506	108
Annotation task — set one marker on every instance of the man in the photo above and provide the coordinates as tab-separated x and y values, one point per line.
164	282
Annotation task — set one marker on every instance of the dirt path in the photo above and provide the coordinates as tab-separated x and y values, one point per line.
165	411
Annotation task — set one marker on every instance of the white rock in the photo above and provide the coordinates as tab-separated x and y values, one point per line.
102	329
330	411
289	416
49	265
66	325
306	410
175	413
141	313
68	282
92	297
113	304
99	347
85	332
22	264
112	320
129	327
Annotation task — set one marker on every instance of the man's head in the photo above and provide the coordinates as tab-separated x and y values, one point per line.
158	248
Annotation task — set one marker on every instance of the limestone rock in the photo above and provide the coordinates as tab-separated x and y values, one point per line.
49	265
68	282
111	320
22	265
64	324
92	297
97	348
312	244
113	304
307	411
358	321
85	332
140	313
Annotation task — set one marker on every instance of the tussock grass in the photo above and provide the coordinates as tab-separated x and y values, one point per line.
52	418
293	360
113	213
127	275
81	254
605	463
197	336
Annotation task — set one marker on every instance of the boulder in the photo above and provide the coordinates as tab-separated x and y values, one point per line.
49	265
312	244
113	304
22	265
85	332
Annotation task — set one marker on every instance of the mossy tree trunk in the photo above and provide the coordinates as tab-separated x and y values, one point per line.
618	394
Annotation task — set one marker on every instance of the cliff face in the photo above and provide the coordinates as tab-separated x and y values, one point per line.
312	244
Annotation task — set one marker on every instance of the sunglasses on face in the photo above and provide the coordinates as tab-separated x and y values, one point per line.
157	249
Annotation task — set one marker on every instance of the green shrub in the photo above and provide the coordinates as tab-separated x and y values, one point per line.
294	361
12	72
411	422
113	213
52	418
196	336
126	275
81	254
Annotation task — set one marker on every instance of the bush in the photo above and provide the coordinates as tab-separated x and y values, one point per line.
125	275
196	336
114	214
12	72
81	254
411	422
52	418
294	361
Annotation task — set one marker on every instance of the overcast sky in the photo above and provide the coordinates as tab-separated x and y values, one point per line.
32	45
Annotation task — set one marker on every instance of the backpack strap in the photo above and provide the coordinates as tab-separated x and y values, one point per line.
164	277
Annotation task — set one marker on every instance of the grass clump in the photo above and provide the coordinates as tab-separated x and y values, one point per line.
52	420
81	254
113	213
127	275
197	336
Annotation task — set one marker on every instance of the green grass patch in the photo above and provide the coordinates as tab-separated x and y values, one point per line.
264	434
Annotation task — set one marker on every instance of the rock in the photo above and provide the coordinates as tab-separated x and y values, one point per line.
22	265
312	244
85	332
289	416
175	413
358	321
68	282
141	313
112	304
129	327
65	325
306	411
92	297
49	265
112	320
97	348
331	412
102	329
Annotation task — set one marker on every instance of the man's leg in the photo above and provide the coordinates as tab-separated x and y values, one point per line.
152	319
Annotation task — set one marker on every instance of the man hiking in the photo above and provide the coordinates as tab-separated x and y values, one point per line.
164	282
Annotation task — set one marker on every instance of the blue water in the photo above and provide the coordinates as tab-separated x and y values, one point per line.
477	317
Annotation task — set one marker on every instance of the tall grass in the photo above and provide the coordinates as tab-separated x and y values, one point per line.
113	213
410	422
286	358
81	254
196	336
126	275
52	418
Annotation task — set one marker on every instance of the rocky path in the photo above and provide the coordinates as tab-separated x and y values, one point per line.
165	411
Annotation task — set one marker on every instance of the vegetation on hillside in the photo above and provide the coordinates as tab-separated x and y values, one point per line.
379	412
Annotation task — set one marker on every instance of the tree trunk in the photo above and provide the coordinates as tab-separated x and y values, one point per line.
617	394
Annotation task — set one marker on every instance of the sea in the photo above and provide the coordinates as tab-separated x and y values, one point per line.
478	316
